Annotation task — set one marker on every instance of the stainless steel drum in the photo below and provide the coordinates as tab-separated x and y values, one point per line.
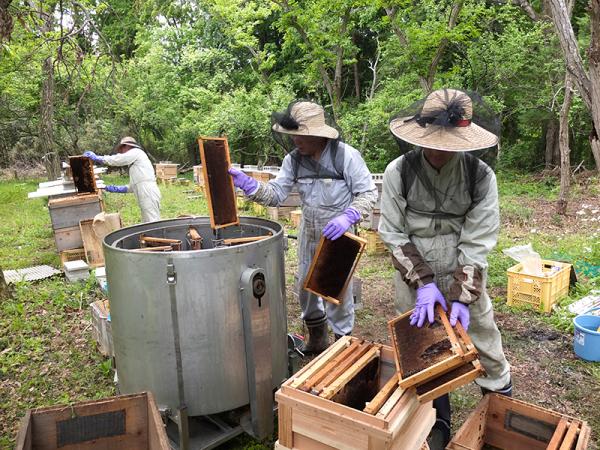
207	286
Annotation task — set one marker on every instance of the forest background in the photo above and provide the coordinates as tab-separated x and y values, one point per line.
79	75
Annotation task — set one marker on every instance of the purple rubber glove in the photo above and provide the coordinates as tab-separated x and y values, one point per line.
427	297
460	312
340	224
97	159
247	184
116	189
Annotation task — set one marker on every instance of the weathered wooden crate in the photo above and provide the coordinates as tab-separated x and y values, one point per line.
370	411
72	255
280	212
372	220
505	423
375	245
68	211
126	422
68	238
198	177
165	171
101	327
296	218
263	177
94	254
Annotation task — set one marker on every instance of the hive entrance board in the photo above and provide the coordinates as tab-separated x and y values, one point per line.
220	192
333	265
434	355
82	169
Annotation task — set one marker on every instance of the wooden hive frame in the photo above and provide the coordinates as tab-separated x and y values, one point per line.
220	191
334	262
318	411
509	424
82	170
453	366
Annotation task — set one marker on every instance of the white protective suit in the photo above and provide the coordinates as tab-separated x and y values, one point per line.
446	241
322	200
142	181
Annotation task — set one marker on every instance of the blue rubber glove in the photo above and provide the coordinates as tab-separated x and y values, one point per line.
460	312
97	159
427	297
116	189
340	224
247	184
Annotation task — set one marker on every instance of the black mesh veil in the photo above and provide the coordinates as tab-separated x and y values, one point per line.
447	113
306	118
448	116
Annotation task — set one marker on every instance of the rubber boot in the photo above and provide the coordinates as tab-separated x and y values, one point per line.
317	336
440	432
506	390
338	336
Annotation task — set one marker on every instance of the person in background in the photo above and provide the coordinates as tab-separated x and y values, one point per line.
440	219
336	190
142	180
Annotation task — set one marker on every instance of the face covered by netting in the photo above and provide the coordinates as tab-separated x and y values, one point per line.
311	138
453	121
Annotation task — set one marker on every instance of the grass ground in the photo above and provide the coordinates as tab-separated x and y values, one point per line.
47	355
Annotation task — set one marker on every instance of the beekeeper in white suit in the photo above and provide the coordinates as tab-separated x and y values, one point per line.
142	180
336	190
440	220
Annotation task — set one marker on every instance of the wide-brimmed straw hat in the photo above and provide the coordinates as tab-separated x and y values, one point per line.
445	122
308	120
129	141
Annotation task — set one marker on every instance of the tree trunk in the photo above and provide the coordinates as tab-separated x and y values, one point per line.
5	291
551	143
594	62
563	139
47	148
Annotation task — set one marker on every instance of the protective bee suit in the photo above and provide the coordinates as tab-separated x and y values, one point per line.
440	223
142	180
339	181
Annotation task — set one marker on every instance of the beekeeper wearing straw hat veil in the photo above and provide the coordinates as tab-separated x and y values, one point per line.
336	190
142	180
440	219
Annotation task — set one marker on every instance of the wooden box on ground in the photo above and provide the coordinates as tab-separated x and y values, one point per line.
198	177
436	358
72	255
372	221
333	265
220	192
280	212
370	411
507	424
101	327
296	218
68	238
166	171
261	176
375	245
538	292
68	211
127	422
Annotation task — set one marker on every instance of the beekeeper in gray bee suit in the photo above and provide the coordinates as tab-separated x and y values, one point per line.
336	190
142	180
440	219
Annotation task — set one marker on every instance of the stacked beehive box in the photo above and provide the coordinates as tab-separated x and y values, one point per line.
166	171
348	397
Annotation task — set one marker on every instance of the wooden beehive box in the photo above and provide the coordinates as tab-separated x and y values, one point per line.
126	422
66	212
435	358
82	171
505	423
220	192
333	265
166	171
348	397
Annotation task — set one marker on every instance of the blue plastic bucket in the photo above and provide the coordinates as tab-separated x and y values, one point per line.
587	339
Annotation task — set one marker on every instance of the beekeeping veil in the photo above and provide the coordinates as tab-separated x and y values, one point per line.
306	118
454	121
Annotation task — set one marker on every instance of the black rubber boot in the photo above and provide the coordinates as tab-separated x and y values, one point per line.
440	433
338	336
506	390
317	336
